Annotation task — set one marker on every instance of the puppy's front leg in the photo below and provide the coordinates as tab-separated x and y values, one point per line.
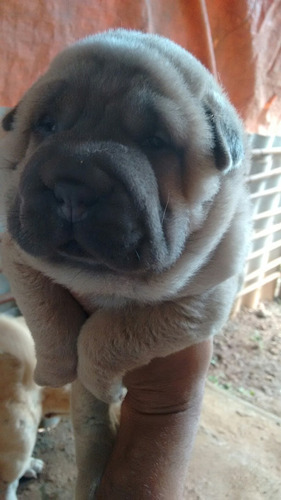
113	342
94	437
52	314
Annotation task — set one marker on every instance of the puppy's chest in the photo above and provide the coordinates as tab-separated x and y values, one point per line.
91	302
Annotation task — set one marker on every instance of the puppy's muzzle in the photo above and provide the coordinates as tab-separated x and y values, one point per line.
96	204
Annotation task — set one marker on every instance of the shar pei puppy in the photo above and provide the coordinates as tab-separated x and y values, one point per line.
127	216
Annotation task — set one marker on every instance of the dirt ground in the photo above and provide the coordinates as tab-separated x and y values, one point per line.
246	360
237	453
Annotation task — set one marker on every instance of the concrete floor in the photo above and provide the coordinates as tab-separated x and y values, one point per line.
237	453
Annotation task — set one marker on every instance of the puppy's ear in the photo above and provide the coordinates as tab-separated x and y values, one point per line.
228	135
9	120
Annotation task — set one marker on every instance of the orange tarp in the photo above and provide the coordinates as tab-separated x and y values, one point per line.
239	41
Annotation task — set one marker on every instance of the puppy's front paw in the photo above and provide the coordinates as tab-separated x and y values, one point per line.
34	467
55	373
103	386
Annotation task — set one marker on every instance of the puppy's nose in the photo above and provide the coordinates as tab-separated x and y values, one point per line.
73	200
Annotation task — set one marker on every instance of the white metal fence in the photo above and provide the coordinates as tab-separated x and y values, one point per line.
264	260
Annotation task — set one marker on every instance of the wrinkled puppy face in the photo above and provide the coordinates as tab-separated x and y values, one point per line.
115	156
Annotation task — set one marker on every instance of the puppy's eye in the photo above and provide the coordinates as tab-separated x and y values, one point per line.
156	142
46	125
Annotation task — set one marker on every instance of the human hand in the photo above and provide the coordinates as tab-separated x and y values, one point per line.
159	419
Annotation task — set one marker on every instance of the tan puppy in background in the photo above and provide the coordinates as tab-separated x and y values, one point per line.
123	170
22	405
